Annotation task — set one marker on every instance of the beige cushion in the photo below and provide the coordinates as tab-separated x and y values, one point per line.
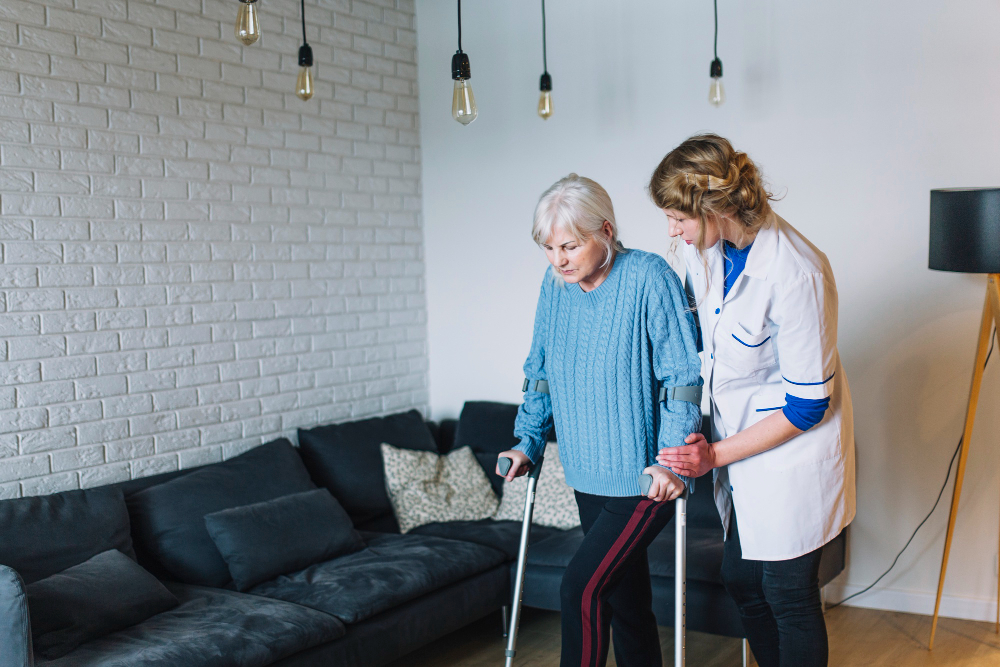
555	502
427	488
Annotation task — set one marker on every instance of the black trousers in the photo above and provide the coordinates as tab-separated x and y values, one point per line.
779	604
606	584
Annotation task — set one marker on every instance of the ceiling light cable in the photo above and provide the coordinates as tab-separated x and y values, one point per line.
545	83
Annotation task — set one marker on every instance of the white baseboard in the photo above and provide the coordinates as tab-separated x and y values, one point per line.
913	602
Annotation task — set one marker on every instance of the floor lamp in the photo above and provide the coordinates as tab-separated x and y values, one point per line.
965	237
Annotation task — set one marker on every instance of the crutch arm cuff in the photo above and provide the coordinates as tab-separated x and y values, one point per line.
691	394
541	386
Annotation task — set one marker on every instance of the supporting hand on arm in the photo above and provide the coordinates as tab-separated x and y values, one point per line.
699	456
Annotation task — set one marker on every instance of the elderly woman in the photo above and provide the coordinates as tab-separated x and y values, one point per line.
611	328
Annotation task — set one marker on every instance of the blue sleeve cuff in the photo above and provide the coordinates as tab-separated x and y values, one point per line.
804	413
531	449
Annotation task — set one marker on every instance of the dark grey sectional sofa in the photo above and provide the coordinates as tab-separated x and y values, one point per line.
362	609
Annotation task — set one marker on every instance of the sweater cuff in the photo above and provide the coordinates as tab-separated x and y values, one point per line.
531	449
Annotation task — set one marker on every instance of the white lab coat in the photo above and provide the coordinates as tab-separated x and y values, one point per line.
776	333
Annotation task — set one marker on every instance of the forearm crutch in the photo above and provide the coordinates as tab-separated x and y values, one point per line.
503	465
680	568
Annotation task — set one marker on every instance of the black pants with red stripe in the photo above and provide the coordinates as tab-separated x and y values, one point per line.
606	585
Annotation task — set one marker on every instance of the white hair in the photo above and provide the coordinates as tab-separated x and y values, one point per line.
579	206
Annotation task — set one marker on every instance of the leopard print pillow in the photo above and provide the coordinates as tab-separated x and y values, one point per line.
555	502
426	488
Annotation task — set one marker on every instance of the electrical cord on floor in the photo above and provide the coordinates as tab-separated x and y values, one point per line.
951	463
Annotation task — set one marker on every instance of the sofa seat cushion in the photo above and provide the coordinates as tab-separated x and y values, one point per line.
393	569
210	628
504	536
704	552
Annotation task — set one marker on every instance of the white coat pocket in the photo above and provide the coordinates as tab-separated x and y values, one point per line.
748	352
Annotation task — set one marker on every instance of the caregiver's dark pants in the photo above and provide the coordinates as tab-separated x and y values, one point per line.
606	585
779	603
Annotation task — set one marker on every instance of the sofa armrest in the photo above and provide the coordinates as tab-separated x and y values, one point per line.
15	623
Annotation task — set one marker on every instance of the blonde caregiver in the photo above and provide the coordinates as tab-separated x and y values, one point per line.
783	460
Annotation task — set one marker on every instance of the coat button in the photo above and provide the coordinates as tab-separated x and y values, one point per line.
712	355
718	310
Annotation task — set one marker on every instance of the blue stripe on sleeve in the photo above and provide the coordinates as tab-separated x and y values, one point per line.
804	413
802	384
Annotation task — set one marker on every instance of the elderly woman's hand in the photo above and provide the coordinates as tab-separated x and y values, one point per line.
693	459
519	464
666	485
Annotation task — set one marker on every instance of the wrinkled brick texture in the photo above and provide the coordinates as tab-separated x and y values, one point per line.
192	260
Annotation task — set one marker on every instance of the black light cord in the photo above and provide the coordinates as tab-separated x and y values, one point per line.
715	45
459	26
304	40
545	60
951	463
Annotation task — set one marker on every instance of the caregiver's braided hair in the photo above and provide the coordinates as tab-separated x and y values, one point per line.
705	177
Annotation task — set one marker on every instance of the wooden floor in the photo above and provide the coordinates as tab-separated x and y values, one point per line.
857	637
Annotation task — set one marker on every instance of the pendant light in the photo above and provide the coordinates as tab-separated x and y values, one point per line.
247	25
463	102
304	82
716	93
545	84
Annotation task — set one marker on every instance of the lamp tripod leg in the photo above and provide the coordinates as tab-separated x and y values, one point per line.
989	317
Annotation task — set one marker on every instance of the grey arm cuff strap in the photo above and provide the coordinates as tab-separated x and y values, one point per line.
689	394
541	386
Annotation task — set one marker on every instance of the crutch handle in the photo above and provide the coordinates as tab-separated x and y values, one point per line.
645	482
504	463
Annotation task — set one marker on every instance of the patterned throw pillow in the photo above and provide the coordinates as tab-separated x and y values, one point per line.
555	503
426	488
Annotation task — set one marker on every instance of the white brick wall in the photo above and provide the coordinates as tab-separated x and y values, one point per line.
192	260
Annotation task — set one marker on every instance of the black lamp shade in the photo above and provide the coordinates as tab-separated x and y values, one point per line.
965	230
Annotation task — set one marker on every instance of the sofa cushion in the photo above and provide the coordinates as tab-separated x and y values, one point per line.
488	428
704	552
210	628
503	536
168	520
47	534
555	501
392	570
346	459
261	541
425	487
15	621
107	593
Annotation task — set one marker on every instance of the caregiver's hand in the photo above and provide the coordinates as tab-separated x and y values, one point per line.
665	486
693	459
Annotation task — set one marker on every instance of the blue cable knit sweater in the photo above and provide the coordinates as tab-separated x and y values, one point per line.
605	354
